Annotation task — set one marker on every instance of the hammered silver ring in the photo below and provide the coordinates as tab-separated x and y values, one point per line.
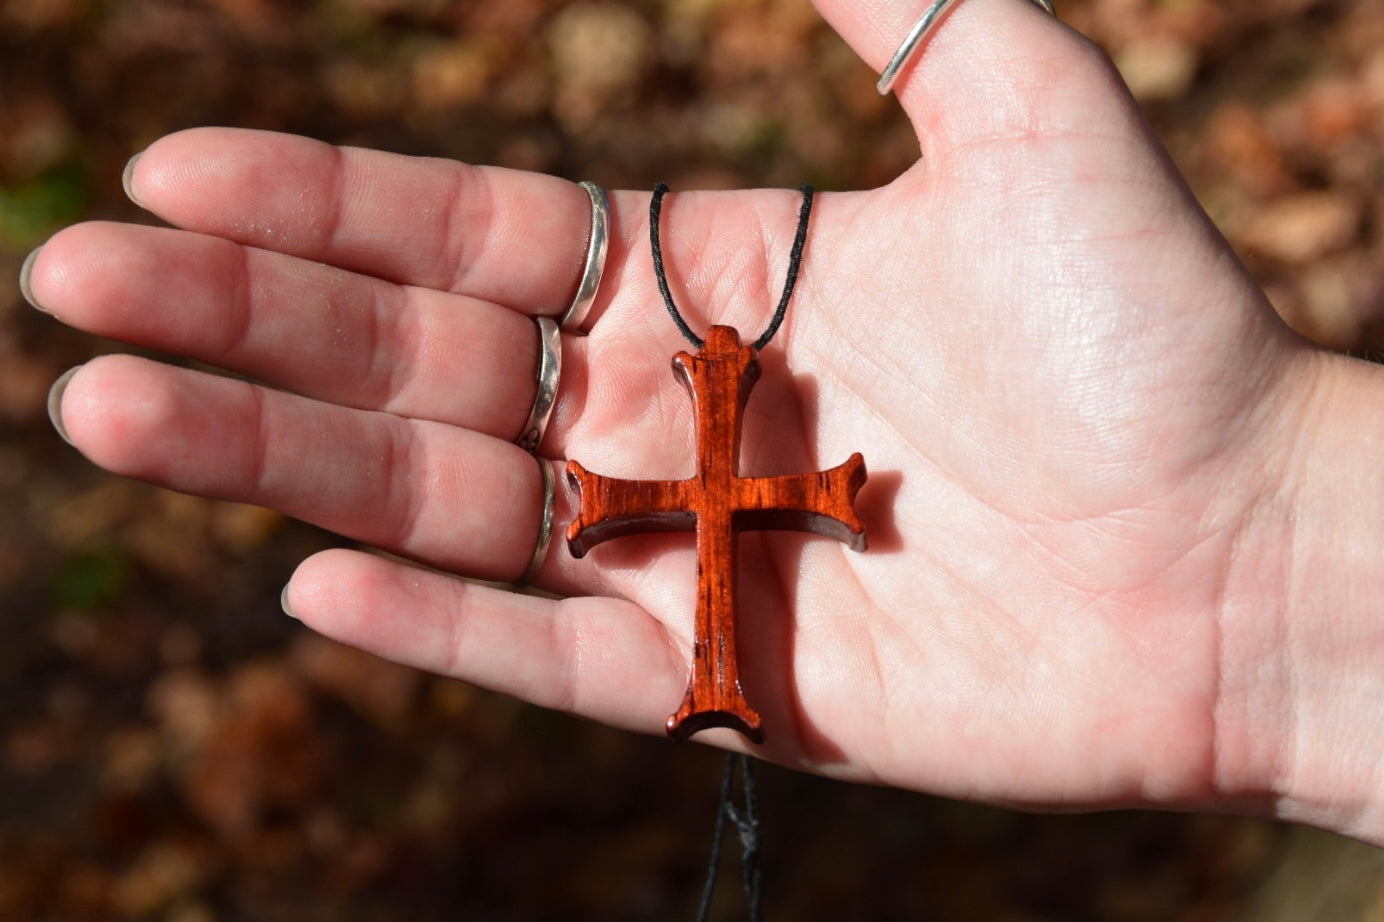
596	246
545	525
549	370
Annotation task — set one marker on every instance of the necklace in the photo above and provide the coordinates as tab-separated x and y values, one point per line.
716	502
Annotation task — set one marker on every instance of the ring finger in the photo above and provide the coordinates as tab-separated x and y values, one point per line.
448	496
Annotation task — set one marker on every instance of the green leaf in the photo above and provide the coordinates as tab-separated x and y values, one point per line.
32	210
90	579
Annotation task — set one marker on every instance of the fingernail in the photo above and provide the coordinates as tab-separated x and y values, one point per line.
55	402
26	279
283	603
127	177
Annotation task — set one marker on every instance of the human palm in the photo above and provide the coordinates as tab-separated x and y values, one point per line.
1066	390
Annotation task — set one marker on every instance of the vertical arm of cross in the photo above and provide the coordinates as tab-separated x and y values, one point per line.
719	379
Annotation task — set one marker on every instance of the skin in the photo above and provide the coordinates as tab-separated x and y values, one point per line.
1125	526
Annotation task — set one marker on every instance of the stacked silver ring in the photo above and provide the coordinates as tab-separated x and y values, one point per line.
549	370
549	330
550	363
918	34
596	245
545	526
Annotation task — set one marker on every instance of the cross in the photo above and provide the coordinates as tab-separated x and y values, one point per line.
717	503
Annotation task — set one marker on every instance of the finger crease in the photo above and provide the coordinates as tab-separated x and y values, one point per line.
240	321
566	635
455	662
462	217
403	506
259	447
331	226
388	335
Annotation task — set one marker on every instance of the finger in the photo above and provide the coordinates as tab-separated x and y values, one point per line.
601	658
512	238
989	68
305	326
448	496
506	236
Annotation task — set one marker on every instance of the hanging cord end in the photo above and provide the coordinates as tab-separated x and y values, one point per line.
748	828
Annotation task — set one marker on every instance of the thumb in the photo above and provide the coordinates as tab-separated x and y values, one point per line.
990	68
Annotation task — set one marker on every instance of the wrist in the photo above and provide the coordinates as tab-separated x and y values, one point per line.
1300	716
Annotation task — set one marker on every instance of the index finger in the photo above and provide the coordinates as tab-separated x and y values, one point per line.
507	236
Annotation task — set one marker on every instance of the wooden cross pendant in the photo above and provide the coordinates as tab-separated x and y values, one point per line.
717	503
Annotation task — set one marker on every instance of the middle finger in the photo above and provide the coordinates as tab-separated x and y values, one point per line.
314	329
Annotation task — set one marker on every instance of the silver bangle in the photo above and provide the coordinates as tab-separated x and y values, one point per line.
594	268
549	370
920	31
545	526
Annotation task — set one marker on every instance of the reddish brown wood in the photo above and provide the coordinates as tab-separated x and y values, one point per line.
717	503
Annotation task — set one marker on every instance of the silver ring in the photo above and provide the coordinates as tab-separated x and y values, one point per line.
545	526
596	246
549	370
918	34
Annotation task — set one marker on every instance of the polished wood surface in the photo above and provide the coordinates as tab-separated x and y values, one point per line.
717	504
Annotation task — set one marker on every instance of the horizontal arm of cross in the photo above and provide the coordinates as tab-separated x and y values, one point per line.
612	507
820	503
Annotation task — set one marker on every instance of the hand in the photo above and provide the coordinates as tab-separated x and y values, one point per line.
1098	459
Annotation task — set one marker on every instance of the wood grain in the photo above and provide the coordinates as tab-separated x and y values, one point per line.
717	504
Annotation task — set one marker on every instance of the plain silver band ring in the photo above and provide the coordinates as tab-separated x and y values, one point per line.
596	247
918	34
545	526
549	370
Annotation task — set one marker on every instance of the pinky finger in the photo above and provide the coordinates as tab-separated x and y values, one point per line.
601	658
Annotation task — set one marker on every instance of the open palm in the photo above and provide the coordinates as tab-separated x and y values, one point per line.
1069	395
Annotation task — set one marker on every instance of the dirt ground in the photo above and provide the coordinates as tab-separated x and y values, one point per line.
173	748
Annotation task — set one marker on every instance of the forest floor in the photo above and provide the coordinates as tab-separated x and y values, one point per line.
173	748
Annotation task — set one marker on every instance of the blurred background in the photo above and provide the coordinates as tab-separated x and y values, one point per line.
173	748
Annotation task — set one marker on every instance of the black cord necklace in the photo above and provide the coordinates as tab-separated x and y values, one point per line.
718	504
795	258
745	818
